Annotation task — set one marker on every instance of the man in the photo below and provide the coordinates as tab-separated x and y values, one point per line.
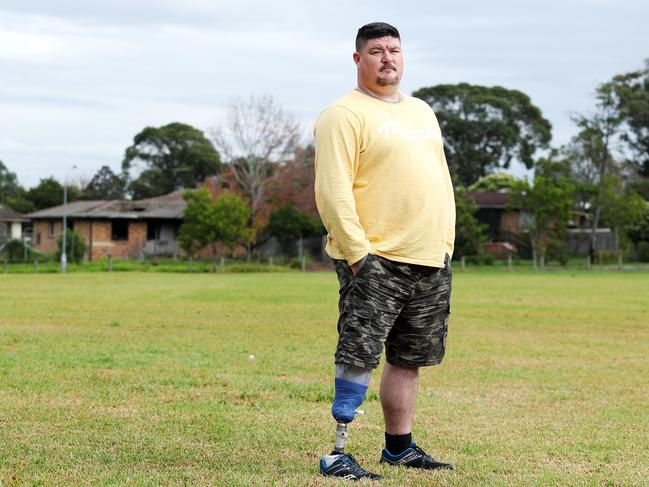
385	196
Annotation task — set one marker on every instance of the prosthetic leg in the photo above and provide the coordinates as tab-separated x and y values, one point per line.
351	386
350	389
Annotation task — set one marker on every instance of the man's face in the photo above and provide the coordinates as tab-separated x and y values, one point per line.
380	62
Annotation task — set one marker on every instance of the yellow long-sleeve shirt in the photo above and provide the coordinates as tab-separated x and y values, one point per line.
381	181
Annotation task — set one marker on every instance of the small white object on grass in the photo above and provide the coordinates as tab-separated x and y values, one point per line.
251	357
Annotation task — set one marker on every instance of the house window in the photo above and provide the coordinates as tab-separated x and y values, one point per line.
120	229
50	229
153	231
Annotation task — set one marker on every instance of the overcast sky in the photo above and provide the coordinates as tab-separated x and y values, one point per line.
79	78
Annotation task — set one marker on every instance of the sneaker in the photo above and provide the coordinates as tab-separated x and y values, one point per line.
414	457
346	467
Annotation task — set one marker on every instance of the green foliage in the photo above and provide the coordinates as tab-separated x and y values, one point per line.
547	201
469	233
195	232
498	181
105	185
639	231
630	92
8	183
12	195
231	215
49	193
622	208
173	156
642	251
207	222
481	259
485	128
288	225
17	250
75	247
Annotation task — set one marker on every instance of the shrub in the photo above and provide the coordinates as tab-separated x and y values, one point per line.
642	250
14	251
75	247
480	259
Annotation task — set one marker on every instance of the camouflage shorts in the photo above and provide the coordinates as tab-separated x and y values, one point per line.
404	306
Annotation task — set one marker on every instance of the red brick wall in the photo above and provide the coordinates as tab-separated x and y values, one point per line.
510	222
41	237
103	245
97	234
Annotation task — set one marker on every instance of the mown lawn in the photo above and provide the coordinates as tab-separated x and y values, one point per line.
146	379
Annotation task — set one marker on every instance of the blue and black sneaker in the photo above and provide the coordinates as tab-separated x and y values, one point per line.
345	466
414	457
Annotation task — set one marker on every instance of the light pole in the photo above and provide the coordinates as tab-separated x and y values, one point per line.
64	256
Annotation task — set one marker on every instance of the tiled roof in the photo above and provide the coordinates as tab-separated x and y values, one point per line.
9	215
170	206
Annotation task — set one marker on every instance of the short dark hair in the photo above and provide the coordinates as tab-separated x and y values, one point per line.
375	30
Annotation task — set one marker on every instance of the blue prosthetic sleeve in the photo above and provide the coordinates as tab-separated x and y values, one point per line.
348	396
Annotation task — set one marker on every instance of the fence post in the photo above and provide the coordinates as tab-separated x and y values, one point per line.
270	264
222	264
463	263
303	262
189	263
509	261
110	263
588	262
36	265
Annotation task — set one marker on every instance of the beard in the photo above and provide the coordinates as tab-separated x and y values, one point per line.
387	81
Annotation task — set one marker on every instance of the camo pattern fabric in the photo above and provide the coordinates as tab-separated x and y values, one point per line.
405	307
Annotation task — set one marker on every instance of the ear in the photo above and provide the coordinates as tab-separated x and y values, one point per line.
357	58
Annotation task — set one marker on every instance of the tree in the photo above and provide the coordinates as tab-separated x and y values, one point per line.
289	225
485	128
195	231
547	202
255	137
12	195
630	95
8	183
292	183
208	222
104	185
469	233
49	193
591	153
498	181
622	209
75	247
171	157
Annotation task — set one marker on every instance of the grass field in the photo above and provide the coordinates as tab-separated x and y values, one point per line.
145	379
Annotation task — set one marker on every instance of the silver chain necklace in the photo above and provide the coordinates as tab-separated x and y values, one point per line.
361	90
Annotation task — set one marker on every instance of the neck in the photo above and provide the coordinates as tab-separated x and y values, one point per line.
387	93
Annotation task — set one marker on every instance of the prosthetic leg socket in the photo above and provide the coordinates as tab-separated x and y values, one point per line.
350	389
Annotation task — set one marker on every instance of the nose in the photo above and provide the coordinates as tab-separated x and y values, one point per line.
387	57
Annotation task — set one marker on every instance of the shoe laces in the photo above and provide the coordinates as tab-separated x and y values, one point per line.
353	464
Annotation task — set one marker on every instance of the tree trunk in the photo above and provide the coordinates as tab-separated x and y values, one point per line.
213	257
616	236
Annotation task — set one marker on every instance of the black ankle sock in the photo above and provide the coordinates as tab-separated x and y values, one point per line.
397	444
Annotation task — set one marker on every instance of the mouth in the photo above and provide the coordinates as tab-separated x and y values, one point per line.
389	68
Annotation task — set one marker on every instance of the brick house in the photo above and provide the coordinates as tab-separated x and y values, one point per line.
119	228
506	226
11	224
